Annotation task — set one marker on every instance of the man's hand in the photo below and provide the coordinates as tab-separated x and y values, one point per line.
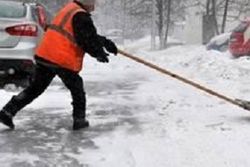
102	57
110	46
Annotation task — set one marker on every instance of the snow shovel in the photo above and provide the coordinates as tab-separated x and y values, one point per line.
238	102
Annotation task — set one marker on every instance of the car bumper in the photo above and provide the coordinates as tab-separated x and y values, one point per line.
24	50
17	63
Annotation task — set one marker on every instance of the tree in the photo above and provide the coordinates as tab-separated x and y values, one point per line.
168	22
224	17
168	12
223	11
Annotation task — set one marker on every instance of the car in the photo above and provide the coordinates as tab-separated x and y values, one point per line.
239	44
219	42
21	28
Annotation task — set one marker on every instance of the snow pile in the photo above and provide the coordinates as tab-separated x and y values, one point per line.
220	39
214	69
195	128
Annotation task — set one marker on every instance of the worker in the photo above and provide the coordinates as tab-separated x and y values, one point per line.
61	53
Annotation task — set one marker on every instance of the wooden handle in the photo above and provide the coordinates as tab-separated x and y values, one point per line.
189	82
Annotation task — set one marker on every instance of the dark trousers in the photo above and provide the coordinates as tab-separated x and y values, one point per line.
42	78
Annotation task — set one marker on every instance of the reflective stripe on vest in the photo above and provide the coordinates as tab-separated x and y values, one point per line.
60	28
62	31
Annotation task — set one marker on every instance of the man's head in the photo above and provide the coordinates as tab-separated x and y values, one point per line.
89	5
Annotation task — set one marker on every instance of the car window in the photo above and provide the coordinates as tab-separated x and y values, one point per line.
12	10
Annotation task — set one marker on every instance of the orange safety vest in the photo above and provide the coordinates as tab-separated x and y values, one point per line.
58	44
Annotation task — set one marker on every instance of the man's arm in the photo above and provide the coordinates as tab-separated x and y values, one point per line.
87	38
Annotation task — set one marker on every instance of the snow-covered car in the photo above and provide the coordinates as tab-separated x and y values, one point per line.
219	42
21	27
240	39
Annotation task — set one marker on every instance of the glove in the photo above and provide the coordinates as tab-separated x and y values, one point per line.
102	57
110	46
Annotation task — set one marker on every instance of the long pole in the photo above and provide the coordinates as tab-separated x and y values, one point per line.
238	102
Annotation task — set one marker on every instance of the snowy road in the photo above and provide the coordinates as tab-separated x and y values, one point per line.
138	119
43	136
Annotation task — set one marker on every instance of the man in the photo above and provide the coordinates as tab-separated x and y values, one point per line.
61	53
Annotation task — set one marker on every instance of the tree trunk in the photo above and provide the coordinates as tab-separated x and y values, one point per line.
224	17
208	7
214	16
124	20
161	23
168	22
153	28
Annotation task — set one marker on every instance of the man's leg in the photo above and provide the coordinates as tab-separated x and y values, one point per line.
42	78
74	83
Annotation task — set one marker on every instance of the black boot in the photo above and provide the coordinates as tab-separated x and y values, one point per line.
6	119
80	123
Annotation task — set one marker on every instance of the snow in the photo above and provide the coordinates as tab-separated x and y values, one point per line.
220	39
140	117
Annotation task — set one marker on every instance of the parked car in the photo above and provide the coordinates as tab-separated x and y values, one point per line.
239	44
219	42
21	28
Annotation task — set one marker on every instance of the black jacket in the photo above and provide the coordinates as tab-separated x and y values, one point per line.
85	33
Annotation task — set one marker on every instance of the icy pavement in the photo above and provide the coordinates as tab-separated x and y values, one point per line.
138	117
43	135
